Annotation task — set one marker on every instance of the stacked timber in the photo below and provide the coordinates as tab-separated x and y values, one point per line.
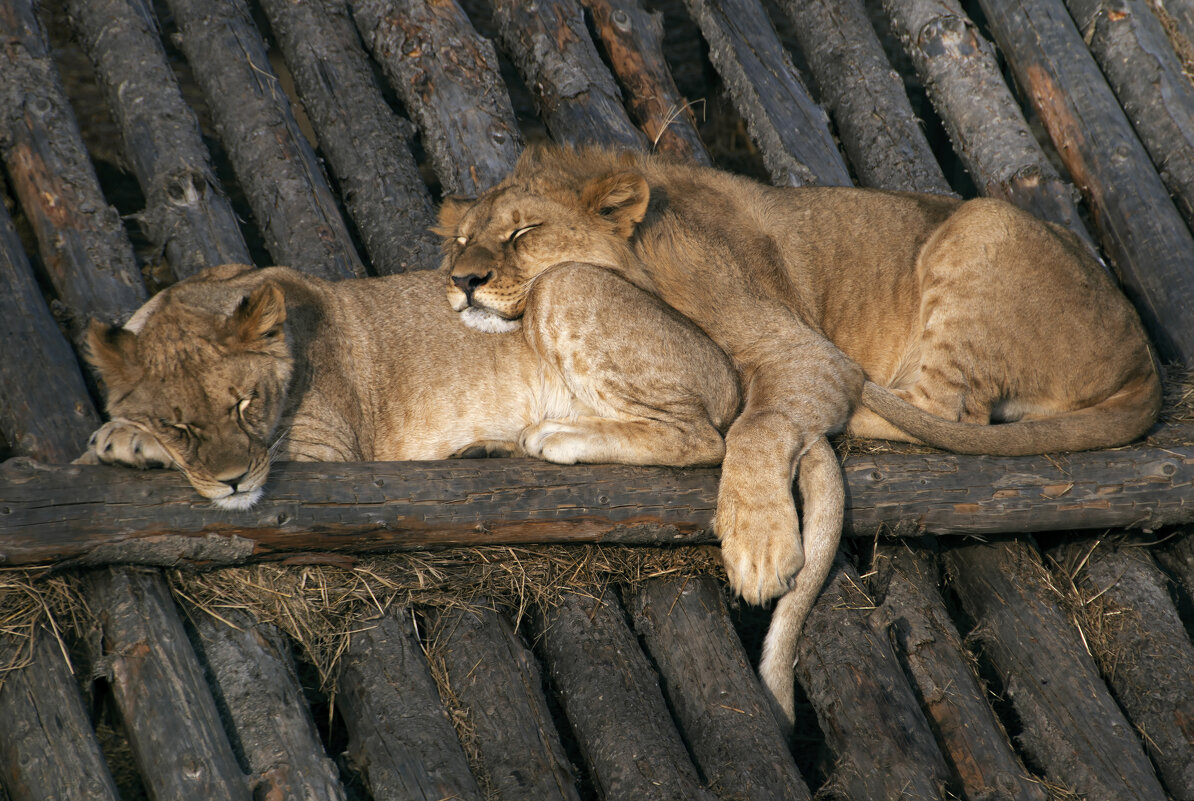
1042	663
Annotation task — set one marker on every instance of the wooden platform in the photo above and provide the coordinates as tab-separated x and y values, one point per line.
995	628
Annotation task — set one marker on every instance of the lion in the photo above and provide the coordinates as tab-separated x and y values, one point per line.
222	373
965	325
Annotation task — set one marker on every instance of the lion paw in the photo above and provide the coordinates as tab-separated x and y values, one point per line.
760	544
555	441
121	443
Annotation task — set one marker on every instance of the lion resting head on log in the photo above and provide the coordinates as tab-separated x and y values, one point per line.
890	315
221	373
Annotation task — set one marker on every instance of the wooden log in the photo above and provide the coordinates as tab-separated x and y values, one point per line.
574	93
48	749
496	679
984	765
613	703
1178	18
55	182
282	179
1134	54
632	39
100	514
871	718
169	716
1142	649
984	121
865	98
359	135
790	129
1138	223
253	676
399	733
186	216
1177	557
1072	727
52	416
713	692
447	77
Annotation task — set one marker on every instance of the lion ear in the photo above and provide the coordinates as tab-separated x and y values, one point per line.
112	351
259	316
620	198
450	211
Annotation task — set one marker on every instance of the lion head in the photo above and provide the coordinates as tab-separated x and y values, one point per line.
202	370
544	214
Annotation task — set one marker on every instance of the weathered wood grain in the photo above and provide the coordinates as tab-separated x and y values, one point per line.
363	140
1072	727
282	179
104	514
186	214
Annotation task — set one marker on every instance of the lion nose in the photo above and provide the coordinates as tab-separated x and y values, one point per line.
469	283
232	477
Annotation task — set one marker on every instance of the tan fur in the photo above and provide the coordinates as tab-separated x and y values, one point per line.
221	373
936	314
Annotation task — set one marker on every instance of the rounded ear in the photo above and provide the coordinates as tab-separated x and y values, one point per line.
259	317
450	211
620	198
112	351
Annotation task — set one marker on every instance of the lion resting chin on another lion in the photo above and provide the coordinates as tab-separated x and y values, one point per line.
221	373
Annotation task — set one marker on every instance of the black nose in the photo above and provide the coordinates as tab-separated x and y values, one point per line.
468	283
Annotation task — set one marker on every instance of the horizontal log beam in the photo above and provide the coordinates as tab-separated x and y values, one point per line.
97	514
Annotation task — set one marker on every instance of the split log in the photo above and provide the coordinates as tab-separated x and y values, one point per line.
1072	727
1142	648
984	764
256	686
1143	70
872	721
965	84
186	213
790	129
399	733
613	703
100	514
574	93
48	750
51	416
1138	223
55	182
447	77
881	135
632	39
496	680
713	691
359	134
169	715
282	179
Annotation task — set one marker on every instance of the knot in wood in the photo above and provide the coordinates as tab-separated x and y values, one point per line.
621	21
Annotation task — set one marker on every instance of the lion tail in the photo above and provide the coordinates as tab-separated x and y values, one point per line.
1120	418
823	496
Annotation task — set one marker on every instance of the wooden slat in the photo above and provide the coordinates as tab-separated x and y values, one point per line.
359	135
281	177
1142	649
400	735
186	213
613	703
881	135
110	514
53	178
632	39
447	77
871	718
1072	727
1138	223
713	692
790	129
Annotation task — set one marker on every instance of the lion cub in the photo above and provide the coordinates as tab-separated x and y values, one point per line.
223	372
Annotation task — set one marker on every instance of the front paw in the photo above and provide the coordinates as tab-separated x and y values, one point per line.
555	441
760	541
121	443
